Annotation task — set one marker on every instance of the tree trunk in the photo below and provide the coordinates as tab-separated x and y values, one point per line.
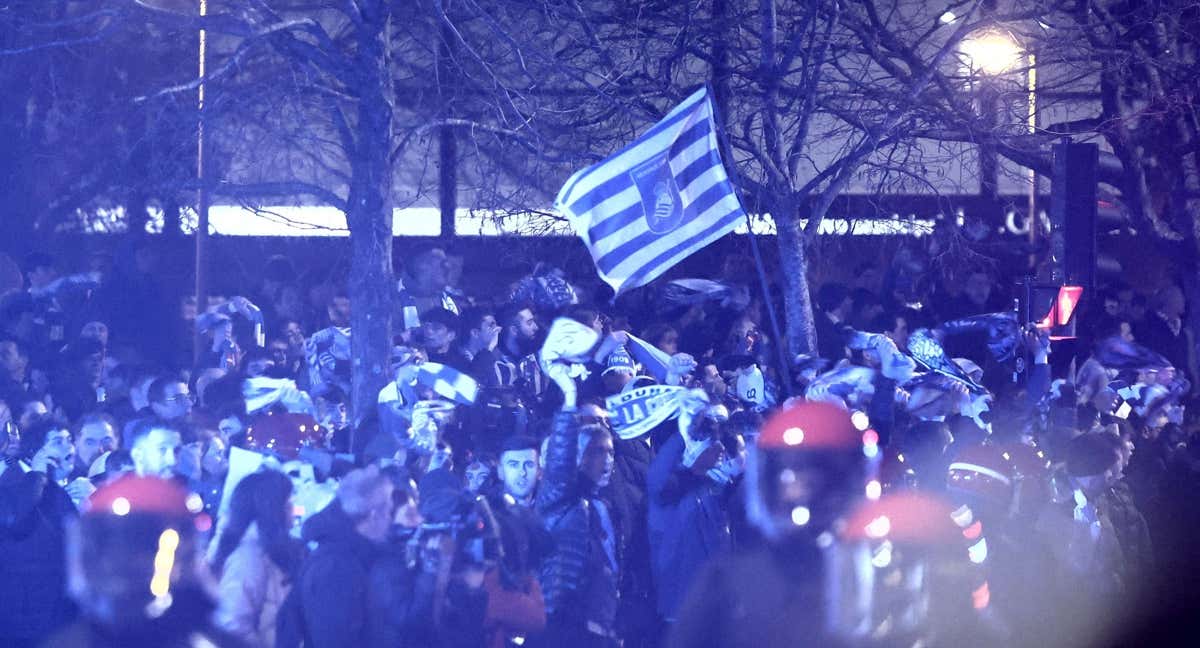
793	270
369	217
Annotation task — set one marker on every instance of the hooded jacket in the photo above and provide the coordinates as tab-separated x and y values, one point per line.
333	582
688	524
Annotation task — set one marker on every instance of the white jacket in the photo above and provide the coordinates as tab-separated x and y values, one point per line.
251	590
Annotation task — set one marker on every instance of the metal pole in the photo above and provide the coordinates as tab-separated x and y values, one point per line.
785	377
1032	215
202	191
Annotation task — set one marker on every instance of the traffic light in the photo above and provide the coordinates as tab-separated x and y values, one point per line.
1073	209
1060	316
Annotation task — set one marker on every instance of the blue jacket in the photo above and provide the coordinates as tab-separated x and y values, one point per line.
689	524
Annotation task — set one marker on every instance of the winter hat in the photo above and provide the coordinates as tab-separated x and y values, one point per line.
620	360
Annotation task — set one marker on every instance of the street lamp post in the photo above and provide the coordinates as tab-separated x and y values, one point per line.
994	53
202	198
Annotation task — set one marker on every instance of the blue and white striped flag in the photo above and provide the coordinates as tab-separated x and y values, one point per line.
448	382
655	202
654	361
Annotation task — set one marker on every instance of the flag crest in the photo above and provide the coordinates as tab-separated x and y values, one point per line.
655	202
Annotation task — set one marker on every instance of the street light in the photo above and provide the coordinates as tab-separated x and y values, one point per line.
992	52
996	52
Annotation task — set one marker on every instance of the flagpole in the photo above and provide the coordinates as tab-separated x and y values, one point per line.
785	374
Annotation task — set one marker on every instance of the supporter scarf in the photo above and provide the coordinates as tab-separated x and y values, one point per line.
570	342
327	353
892	363
637	411
262	392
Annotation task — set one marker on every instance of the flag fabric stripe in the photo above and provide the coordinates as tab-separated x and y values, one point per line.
654	361
620	182
577	184
616	222
448	382
657	201
697	168
629	246
651	242
694	135
663	262
714	190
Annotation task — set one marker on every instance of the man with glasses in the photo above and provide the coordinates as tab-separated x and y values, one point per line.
170	400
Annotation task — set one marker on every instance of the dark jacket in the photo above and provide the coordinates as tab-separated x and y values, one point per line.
688	524
769	598
399	601
831	337
333	583
627	492
576	577
33	583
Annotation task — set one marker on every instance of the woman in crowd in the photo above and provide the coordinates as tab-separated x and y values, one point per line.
256	557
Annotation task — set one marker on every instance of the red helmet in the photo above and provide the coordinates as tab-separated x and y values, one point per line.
134	495
808	466
136	551
909	517
284	434
892	573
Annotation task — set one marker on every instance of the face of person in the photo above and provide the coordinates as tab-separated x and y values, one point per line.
978	288
669	343
176	402
59	447
454	269
294	335
93	366
437	336
1126	332
12	360
339	311
1112	306
279	351
526	326
10	435
229	427
157	453
95	330
597	459
431	272
32	410
477	476
42	275
379	520
213	461
94	440
714	384
519	472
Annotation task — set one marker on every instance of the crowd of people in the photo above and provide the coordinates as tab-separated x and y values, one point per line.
548	469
